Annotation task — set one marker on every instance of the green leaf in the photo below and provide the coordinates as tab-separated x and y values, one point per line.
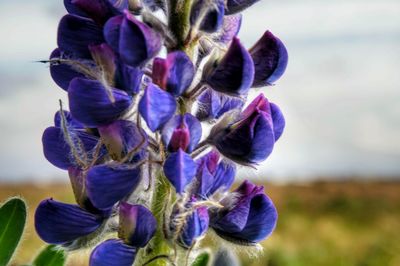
12	223
50	256
202	259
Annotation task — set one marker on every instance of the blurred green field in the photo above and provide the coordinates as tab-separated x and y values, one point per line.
327	224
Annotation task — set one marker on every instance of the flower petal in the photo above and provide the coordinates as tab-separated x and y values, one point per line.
180	169
156	107
76	33
230	28
122	137
234	73
128	78
62	74
71	122
112	31
213	18
108	184
223	177
113	252
94	105
235	6
270	60
138	43
137	224
58	151
278	120
60	223
175	73
99	10
195	227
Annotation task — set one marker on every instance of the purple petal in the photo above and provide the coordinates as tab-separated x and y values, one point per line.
58	152
137	224
99	10
75	34
94	105
212	105
121	137
62	74
187	122
138	43
234	72
195	227
108	184
278	121
112	31
235	6
261	220
59	223
71	122
223	178
113	252
73	9
270	60
175	73
156	107
204	181
213	20
128	78
180	169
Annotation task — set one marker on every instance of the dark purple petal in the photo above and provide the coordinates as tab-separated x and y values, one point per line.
270	60
108	184
113	252
73	9
204	181
212	105
233	74
121	137
213	19
59	223
175	73
112	31
137	224
71	122
94	105
278	120
138	43
185	126
99	10
223	178
235	6
180	169
128	78
156	107
57	150
62	74
75	34
261	220
195	227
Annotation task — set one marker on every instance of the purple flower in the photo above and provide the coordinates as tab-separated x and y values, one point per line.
250	140
212	18
156	107
94	104
99	10
180	169
182	132
136	42
212	105
248	216
136	227
61	223
270	60
195	226
137	224
232	74
173	74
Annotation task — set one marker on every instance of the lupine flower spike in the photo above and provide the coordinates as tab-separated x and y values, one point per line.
142	78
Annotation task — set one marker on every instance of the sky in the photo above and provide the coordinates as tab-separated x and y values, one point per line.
340	93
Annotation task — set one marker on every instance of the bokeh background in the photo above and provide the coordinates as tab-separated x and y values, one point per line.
334	173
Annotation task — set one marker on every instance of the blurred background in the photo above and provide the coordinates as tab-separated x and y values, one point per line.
334	173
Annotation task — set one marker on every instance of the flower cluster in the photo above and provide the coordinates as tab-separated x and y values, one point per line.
135	121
